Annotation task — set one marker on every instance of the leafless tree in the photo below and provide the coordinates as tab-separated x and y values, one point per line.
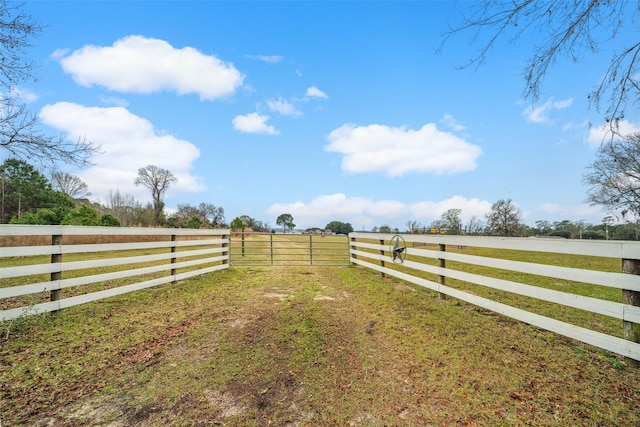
123	206
213	216
451	220
504	219
413	226
568	29
20	132
254	224
70	185
614	177
474	226
157	180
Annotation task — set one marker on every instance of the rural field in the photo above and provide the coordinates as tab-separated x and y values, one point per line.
301	346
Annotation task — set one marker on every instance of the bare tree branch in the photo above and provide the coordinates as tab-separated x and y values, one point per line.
20	132
504	219
568	29
20	136
157	180
70	185
16	31
614	177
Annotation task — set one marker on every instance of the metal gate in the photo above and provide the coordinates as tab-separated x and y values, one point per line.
275	249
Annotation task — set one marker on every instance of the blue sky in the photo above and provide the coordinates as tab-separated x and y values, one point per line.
325	110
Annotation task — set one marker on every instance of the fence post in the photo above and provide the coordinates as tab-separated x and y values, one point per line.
242	239
271	246
174	259
56	294
382	253
631	330
310	249
225	245
354	256
442	263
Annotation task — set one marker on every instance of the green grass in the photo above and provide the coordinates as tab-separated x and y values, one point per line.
289	249
600	323
257	346
28	300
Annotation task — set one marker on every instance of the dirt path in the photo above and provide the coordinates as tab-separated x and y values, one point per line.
305	346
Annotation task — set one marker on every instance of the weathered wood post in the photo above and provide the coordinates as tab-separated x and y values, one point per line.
271	246
225	245
382	253
174	259
242	240
442	263
310	249
631	330
353	248
56	294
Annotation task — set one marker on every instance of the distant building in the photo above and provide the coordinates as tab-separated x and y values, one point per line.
317	231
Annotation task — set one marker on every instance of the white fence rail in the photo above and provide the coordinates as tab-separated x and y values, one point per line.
422	265
175	254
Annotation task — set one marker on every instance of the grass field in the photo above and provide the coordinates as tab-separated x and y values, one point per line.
302	346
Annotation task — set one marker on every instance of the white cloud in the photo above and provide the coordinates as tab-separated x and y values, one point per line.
360	211
136	64
314	92
339	207
434	210
269	59
597	135
571	212
559	105
58	53
128	142
540	114
254	123
364	212
25	95
398	151
283	107
451	123
114	101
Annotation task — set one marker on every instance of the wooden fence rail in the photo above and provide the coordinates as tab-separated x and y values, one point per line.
98	265
448	270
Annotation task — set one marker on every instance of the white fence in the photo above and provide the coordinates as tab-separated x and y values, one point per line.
94	258
101	262
428	268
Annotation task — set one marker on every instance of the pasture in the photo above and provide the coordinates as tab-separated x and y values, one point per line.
302	346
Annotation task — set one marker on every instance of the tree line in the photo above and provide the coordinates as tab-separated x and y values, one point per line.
245	223
27	196
504	219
